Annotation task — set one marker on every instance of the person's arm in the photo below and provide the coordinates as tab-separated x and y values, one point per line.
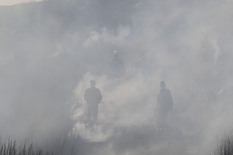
171	100
99	96
85	95
158	100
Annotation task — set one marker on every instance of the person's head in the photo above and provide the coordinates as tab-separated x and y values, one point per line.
93	83
162	84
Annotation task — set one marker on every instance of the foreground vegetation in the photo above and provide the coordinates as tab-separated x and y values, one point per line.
225	147
68	146
11	148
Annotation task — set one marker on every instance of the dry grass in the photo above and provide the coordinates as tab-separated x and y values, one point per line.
11	148
60	146
225	147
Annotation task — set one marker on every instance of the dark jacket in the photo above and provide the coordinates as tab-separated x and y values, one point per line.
93	95
164	99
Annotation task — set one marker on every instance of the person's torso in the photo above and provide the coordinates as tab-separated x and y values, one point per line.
93	95
164	98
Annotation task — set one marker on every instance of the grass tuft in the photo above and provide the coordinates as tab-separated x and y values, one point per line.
225	147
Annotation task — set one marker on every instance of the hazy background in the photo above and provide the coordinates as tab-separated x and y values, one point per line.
14	2
50	50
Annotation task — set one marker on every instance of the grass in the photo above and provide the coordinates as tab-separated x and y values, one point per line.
11	148
68	145
225	147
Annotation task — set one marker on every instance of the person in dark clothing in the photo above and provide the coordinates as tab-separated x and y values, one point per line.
165	103
141	65
93	97
117	65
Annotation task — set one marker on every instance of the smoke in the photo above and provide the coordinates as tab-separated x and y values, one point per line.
50	51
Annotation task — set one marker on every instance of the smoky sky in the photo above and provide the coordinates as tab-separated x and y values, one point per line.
50	50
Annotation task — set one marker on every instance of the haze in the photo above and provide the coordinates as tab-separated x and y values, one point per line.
50	51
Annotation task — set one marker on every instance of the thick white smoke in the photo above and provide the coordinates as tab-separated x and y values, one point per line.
52	49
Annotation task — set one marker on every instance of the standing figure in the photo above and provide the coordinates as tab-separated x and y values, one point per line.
165	103
117	65
93	97
141	65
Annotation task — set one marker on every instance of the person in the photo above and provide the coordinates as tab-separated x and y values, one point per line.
165	103
93	97
117	65
141	65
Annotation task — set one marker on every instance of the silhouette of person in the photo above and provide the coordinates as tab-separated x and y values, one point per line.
93	97
117	65
165	103
141	65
